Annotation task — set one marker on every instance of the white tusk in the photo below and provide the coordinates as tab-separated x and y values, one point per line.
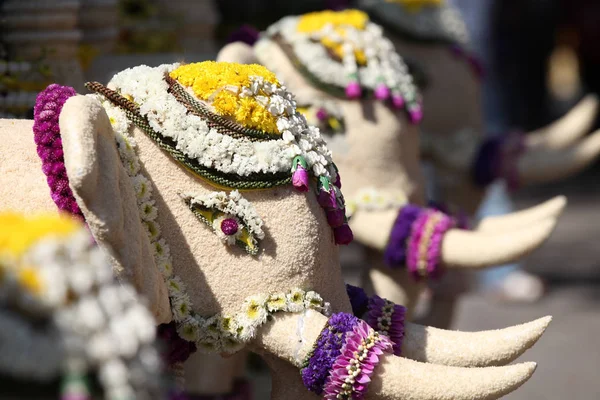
463	249
540	166
399	378
471	349
567	130
549	209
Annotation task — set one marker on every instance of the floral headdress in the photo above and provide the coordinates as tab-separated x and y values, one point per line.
434	21
62	315
346	55
235	126
427	20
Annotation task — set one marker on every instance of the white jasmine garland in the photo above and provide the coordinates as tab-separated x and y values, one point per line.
147	88
371	199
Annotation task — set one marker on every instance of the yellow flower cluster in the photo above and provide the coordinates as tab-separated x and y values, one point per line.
314	22
18	232
213	82
416	5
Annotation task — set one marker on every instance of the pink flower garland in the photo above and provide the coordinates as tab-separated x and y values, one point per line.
48	105
425	244
352	370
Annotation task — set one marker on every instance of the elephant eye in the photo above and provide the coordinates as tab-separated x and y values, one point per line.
231	217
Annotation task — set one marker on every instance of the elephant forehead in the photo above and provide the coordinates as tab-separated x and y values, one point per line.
383	150
452	96
298	249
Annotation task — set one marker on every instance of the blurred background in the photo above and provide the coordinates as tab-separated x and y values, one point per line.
542	56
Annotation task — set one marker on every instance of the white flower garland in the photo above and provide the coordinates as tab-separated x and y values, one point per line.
84	306
217	333
212	149
371	199
384	64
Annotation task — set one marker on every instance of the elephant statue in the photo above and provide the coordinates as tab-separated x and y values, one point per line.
223	207
434	37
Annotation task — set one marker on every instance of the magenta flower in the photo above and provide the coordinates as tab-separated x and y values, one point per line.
416	115
382	92
229	226
351	372
327	199
336	217
353	90
398	101
300	179
321	114
343	234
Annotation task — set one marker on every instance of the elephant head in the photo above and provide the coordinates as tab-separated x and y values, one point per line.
152	161
377	150
435	38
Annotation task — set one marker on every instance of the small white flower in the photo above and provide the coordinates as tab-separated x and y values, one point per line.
165	266
181	307
295	300
90	315
313	300
148	211
254	311
113	373
142	187
189	329
277	302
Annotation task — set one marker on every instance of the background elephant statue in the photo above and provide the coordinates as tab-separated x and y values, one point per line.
164	163
433	36
376	148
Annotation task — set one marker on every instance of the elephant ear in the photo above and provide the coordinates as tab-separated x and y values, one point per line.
106	197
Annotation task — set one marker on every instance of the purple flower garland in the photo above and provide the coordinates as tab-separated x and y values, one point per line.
387	318
351	372
497	158
46	134
395	252
327	349
46	130
358	300
382	315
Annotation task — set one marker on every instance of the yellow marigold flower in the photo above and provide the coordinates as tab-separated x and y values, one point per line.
340	20
315	21
219	83
416	5
29	278
19	233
